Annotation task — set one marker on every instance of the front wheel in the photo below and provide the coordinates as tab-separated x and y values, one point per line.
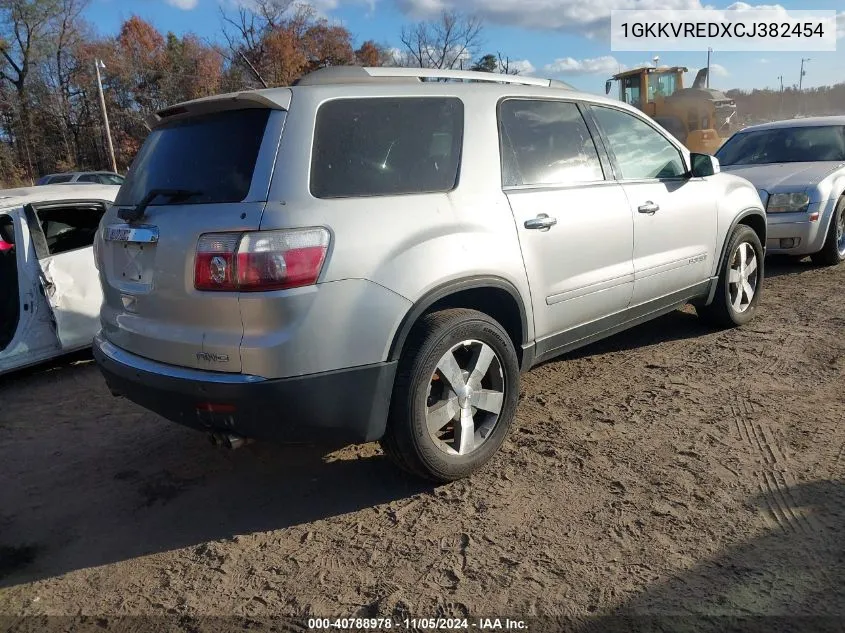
833	251
740	281
455	395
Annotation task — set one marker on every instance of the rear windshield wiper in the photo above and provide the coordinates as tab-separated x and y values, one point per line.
133	214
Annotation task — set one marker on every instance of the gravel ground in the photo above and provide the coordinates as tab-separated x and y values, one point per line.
672	470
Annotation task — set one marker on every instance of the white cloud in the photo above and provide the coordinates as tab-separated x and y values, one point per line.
717	70
524	66
185	5
588	18
605	65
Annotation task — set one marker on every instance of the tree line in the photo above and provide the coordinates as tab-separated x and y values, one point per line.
50	117
755	106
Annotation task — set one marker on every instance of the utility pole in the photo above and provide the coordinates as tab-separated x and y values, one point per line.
781	94
97	65
801	85
803	72
709	50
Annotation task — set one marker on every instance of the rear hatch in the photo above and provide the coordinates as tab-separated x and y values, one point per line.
204	169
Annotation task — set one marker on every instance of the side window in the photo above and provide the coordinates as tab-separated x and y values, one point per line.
89	178
385	146
69	228
59	179
641	151
546	143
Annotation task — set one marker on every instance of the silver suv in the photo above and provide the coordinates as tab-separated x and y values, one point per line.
373	255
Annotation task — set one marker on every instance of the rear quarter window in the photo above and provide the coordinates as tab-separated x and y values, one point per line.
386	146
214	154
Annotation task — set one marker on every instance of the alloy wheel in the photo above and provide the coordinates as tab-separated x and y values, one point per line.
465	397
743	277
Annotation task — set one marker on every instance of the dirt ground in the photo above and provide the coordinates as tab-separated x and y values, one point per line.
671	470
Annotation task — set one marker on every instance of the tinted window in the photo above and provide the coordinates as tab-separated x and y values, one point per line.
88	178
57	179
386	146
69	228
213	154
111	179
640	150
785	145
546	142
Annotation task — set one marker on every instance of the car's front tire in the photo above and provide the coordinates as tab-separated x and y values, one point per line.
740	281
833	251
454	397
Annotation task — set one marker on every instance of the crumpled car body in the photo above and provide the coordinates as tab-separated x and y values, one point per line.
50	294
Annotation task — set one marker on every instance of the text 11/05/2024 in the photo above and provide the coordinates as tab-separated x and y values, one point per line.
444	624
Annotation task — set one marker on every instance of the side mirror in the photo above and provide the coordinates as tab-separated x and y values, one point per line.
607	86
704	165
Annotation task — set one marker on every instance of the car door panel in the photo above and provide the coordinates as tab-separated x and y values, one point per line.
675	215
35	337
574	277
574	225
67	268
74	295
673	247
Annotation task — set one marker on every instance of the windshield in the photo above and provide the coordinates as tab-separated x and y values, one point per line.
214	154
661	85
785	145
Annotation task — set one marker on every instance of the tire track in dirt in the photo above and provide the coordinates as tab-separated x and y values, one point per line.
774	479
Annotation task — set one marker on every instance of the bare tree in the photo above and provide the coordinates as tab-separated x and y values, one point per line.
253	32
505	66
23	25
444	43
68	35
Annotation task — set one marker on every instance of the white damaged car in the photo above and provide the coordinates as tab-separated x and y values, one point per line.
50	293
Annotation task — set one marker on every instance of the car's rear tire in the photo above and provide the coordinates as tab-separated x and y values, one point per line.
438	428
740	281
833	251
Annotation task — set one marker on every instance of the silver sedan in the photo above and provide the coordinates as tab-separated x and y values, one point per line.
798	167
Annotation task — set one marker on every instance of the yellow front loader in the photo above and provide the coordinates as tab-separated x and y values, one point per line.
701	118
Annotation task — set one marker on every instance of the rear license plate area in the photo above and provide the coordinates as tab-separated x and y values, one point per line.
132	255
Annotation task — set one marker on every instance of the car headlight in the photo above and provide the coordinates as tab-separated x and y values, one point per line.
788	203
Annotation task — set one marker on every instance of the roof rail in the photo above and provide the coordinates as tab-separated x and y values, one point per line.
465	75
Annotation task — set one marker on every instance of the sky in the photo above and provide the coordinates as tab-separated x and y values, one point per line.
548	38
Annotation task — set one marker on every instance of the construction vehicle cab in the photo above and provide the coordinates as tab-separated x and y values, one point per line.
699	117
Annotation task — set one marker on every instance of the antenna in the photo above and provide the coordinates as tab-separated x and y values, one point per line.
252	68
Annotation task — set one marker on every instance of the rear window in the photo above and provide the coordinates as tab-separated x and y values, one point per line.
214	155
386	146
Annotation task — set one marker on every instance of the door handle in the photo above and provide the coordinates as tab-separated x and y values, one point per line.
542	222
649	208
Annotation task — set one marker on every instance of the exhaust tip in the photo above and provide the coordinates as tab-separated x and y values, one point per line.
228	440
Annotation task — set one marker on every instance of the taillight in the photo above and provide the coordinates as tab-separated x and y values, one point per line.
215	263
261	260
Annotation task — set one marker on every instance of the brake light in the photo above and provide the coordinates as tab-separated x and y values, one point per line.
260	260
214	268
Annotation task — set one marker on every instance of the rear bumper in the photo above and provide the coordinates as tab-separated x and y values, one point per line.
345	406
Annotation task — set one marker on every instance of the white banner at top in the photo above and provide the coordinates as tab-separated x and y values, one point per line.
736	29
